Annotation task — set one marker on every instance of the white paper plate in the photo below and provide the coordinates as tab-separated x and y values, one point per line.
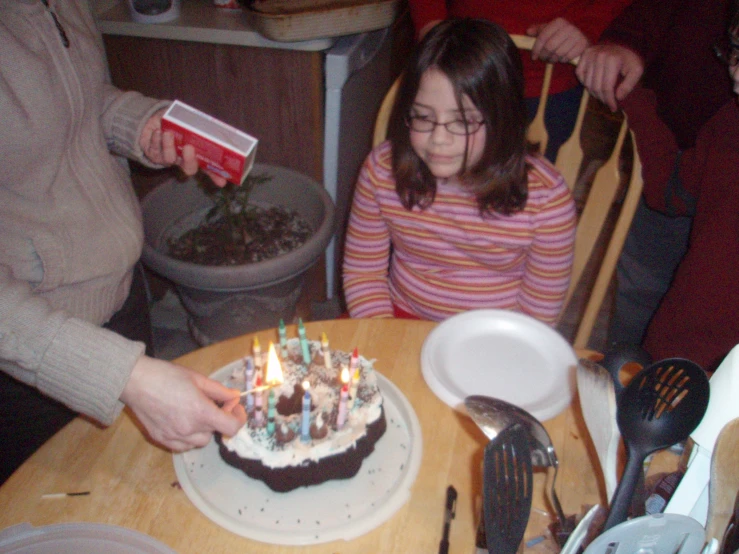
341	509
501	354
78	538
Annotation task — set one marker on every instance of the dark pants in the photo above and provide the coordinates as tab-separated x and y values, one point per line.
653	249
28	418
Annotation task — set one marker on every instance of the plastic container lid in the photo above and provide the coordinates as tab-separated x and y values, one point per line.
78	538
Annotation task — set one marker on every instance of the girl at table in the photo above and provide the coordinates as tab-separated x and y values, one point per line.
454	212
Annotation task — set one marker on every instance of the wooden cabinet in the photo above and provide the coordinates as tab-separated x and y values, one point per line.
273	94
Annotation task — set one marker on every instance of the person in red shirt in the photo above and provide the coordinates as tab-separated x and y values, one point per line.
677	285
563	29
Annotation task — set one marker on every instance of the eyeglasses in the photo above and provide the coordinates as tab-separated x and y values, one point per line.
459	127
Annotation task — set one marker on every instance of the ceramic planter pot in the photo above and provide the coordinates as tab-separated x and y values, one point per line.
223	302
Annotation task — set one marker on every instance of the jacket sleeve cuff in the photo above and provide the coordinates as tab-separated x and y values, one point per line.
124	121
87	367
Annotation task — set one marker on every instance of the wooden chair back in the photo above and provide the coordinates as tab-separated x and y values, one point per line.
601	200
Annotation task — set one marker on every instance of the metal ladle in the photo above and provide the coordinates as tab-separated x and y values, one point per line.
493	415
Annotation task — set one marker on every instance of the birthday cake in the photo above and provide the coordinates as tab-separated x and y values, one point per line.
318	424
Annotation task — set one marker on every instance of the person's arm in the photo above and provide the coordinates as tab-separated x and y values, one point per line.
566	37
76	362
124	116
610	72
549	262
132	125
557	41
93	371
611	69
641	27
159	148
592	18
177	406
367	249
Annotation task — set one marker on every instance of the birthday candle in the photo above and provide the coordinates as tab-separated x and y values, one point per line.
248	383
325	350
343	397
271	409
258	415
354	361
257	351
305	421
304	343
353	390
283	340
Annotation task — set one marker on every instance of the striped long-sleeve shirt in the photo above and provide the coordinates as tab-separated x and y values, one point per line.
448	259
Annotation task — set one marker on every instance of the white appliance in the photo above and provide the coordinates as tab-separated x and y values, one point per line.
691	495
359	70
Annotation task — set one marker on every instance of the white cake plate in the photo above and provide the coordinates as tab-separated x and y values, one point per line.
341	509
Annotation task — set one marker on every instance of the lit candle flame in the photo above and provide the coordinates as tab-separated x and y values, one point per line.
274	369
306	385
345	375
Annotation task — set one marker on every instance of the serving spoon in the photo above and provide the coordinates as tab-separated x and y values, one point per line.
493	415
659	407
598	402
623	359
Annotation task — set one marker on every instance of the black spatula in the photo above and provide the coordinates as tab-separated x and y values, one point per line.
507	479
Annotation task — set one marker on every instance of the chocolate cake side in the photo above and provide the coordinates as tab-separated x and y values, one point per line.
343	465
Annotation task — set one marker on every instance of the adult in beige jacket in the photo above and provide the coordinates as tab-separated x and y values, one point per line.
71	235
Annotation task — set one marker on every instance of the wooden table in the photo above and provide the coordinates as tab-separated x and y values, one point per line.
132	483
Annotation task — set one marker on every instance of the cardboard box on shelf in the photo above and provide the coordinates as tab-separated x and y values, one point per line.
219	147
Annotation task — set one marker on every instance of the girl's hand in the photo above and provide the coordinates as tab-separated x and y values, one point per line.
557	41
177	406
602	66
159	147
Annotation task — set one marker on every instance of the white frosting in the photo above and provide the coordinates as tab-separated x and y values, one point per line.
255	443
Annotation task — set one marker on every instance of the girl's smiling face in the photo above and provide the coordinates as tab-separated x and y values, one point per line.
443	152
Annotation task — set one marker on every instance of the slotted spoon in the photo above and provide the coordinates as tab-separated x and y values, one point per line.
507	482
493	415
659	407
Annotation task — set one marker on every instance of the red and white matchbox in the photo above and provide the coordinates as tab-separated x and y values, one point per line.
219	148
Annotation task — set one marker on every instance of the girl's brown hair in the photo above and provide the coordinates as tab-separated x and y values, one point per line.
482	62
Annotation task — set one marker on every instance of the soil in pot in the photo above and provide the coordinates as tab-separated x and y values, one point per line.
236	232
232	298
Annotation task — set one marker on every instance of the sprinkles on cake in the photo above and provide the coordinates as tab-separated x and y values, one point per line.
314	417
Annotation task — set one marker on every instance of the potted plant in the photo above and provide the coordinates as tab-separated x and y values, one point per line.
223	301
